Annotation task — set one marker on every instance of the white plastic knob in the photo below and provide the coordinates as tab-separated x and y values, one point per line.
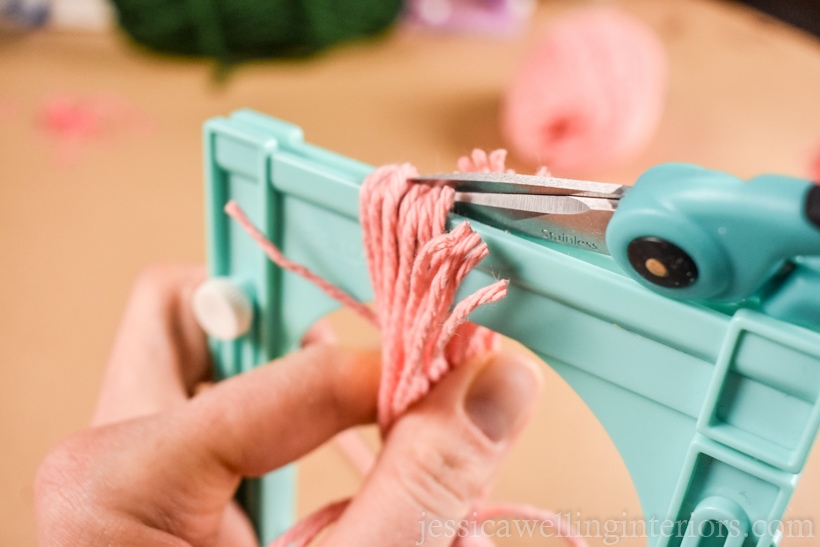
222	309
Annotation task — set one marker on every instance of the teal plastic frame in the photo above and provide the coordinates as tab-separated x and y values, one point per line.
713	412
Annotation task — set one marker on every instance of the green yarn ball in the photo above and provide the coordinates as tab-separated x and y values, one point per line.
232	30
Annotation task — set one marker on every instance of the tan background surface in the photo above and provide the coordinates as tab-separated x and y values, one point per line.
743	97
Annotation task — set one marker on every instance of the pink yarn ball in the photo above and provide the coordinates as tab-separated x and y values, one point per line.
589	94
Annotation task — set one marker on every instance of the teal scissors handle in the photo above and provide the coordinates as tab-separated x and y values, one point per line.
697	234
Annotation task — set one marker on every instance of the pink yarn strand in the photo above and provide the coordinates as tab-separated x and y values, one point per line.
276	256
536	514
415	268
311	526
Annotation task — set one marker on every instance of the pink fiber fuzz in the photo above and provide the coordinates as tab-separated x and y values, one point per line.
590	94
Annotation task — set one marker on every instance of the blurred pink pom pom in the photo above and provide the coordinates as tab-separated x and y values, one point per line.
589	94
73	123
815	167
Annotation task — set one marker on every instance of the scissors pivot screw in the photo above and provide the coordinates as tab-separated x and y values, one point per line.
661	262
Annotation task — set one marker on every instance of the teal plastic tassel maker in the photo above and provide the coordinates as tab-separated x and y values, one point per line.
684	310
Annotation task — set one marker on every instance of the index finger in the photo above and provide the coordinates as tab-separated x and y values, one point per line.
159	353
270	416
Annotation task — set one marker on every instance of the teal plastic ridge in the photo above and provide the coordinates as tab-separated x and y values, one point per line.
764	399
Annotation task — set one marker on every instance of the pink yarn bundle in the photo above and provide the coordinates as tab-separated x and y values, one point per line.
415	267
589	94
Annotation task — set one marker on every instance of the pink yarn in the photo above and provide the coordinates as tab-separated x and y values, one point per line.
589	94
276	256
415	267
309	527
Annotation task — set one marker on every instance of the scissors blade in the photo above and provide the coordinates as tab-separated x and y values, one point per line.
541	204
569	220
565	211
512	183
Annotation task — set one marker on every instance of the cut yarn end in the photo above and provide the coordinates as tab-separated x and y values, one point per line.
416	267
590	94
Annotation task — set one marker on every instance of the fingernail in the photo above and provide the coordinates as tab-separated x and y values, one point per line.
502	396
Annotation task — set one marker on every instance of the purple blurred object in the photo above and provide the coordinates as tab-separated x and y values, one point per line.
23	14
487	16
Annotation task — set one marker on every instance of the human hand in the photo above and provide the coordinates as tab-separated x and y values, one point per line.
160	466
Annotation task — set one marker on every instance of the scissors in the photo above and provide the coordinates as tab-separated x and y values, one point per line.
570	212
681	230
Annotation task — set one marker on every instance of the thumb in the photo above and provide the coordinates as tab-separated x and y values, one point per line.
442	455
